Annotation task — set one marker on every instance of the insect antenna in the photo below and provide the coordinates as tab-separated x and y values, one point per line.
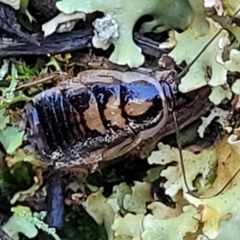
181	74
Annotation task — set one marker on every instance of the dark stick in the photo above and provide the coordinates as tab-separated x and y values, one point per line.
4	236
67	42
9	23
55	196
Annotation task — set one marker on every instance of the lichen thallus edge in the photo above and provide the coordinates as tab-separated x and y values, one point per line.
181	74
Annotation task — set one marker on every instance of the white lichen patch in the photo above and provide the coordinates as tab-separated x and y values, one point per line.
61	23
220	93
66	27
15	4
236	87
221	116
105	29
194	164
216	4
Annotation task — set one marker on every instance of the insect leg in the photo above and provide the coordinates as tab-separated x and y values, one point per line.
169	96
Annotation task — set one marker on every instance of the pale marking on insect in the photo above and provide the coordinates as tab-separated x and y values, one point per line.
92	118
93	76
91	115
113	113
137	108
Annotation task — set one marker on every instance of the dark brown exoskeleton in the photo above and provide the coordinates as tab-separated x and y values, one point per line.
98	116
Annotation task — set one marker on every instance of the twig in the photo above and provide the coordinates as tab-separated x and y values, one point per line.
68	42
36	82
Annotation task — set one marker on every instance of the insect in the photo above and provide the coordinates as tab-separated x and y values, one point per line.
97	116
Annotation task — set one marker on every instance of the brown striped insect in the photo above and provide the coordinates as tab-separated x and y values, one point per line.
97	116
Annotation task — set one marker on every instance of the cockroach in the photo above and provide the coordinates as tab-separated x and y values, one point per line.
100	115
97	116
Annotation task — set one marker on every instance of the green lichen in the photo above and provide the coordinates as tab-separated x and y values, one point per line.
167	14
17	223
